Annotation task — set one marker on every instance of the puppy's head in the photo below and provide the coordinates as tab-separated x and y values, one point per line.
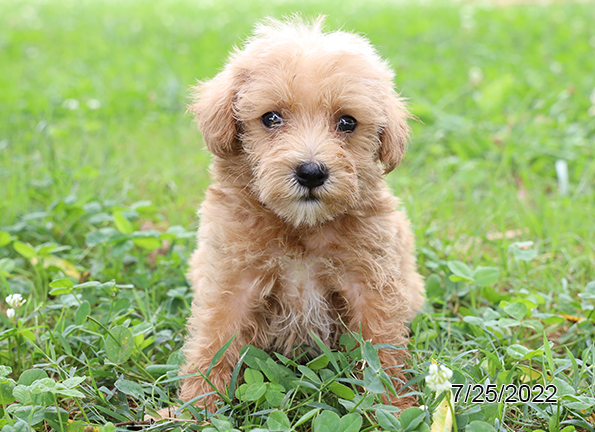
312	115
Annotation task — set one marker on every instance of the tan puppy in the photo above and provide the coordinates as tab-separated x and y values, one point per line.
300	228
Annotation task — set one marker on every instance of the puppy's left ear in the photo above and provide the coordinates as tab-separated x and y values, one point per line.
394	134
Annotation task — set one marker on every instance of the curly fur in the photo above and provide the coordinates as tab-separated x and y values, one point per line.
272	267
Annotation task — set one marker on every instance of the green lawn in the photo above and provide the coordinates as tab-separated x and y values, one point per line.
100	166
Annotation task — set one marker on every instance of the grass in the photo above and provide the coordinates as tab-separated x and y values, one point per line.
101	173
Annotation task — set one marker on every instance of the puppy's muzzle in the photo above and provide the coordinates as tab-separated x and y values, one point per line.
311	174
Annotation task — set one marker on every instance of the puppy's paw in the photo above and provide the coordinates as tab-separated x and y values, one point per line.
163	414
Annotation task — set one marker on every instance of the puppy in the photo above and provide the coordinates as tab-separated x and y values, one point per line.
300	233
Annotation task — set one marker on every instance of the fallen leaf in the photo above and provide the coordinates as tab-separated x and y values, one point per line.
442	417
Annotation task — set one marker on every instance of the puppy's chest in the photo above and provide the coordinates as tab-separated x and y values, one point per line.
303	301
301	286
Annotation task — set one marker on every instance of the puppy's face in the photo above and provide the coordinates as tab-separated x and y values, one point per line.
313	115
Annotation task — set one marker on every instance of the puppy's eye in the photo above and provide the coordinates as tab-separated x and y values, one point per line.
346	124
272	119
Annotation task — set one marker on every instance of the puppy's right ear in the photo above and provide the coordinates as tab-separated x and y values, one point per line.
214	113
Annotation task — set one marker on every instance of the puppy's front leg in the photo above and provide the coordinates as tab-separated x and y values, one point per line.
381	313
212	325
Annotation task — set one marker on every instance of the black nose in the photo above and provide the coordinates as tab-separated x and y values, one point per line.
311	174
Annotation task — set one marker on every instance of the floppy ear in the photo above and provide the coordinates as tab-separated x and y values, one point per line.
394	133
214	113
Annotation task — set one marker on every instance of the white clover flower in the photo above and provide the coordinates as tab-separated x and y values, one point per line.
10	313
71	104
438	378
94	104
15	301
475	76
